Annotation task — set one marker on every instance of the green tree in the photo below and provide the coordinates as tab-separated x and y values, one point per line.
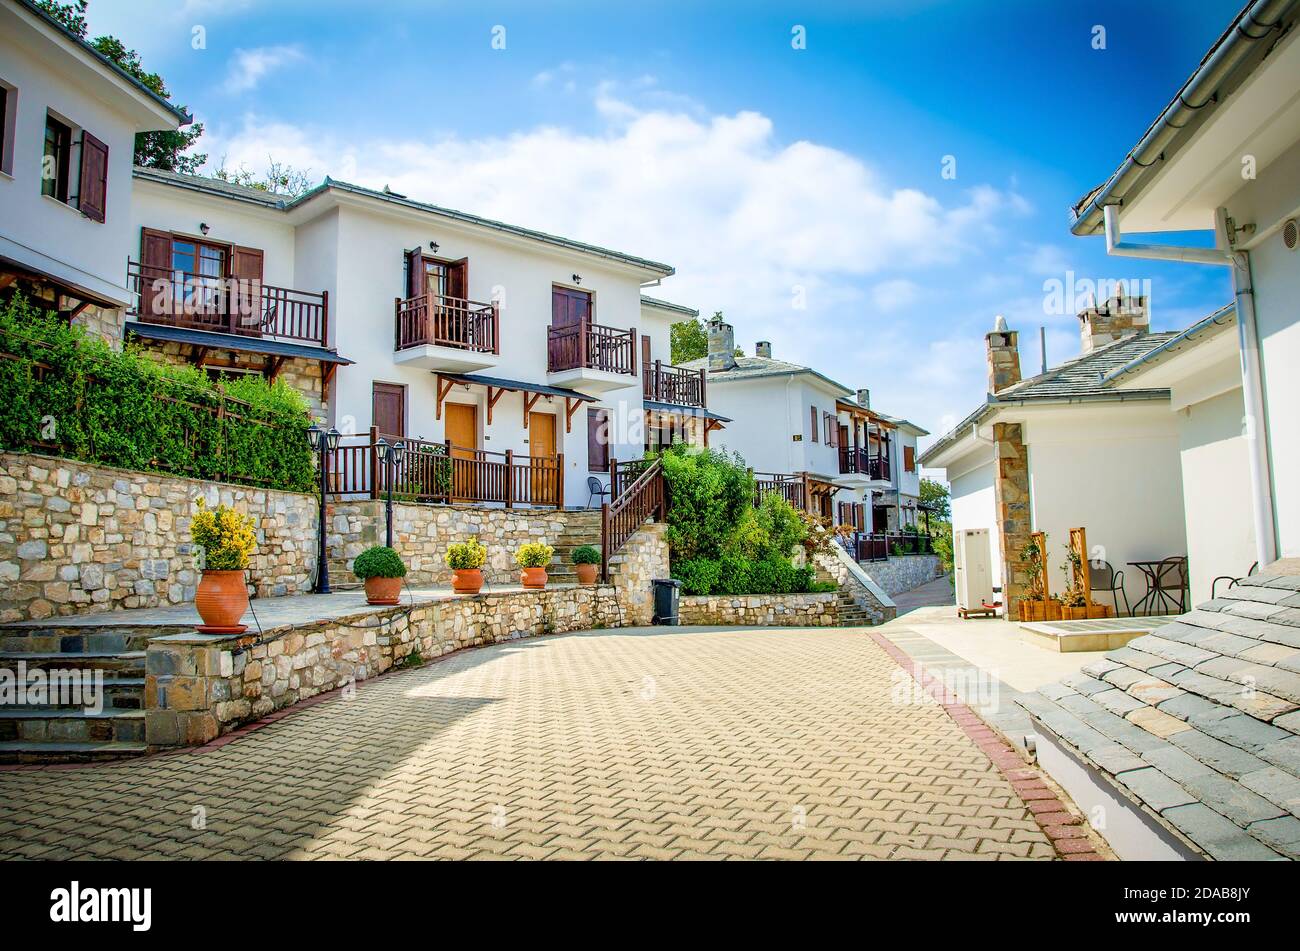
934	494
689	340
279	179
162	150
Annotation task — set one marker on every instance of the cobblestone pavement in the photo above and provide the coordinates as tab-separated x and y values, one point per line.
657	743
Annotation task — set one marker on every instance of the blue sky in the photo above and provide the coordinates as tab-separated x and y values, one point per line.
800	191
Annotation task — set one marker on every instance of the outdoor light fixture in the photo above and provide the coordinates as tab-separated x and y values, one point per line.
433	246
203	227
322	443
391	456
577	278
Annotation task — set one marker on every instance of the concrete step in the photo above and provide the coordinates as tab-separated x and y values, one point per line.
71	725
23	752
125	663
87	639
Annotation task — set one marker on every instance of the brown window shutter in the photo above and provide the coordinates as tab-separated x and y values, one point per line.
414	273
458	279
598	440
155	271
94	177
814	423
645	352
909	458
246	269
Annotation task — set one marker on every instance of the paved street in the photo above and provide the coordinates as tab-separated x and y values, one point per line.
656	743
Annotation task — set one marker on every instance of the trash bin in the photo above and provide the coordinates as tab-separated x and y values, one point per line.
666	595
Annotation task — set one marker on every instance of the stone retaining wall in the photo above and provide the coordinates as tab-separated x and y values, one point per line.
903	572
857	584
422	534
77	538
761	610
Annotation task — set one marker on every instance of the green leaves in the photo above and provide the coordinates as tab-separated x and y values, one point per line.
379	562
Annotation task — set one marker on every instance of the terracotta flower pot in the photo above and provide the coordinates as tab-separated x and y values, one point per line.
221	600
383	590
466	580
586	573
533	577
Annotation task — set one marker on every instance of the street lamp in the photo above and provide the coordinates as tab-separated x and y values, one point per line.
391	456
322	443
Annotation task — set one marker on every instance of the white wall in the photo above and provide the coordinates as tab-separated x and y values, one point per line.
1115	470
40	232
766	413
1216	490
973	503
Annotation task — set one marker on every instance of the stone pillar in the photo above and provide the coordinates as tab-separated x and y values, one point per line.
1011	498
1003	358
722	345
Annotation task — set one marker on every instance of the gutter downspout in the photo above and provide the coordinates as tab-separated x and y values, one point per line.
1261	476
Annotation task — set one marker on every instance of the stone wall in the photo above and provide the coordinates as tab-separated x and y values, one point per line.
302	375
761	610
1011	501
903	572
857	584
422	533
77	538
643	559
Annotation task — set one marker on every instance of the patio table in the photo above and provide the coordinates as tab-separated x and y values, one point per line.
1155	590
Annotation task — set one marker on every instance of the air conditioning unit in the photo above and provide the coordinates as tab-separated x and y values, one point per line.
973	570
1291	234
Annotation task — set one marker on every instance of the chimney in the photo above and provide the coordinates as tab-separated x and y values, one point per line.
864	398
722	345
763	349
1003	356
1120	316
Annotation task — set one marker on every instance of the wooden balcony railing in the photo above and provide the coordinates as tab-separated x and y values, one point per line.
671	384
442	321
585	345
860	462
880	546
640	501
227	305
790	487
441	472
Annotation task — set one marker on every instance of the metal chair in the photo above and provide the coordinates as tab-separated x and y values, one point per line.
596	490
1103	577
1232	582
1171	584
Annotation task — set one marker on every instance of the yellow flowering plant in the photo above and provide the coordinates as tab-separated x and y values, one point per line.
225	539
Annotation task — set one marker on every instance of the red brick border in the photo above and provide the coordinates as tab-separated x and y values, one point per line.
1061	827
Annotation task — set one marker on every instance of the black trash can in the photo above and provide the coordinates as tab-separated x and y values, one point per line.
666	595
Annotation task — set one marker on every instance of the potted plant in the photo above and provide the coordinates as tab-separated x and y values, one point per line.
382	569
1034	605
224	540
586	561
466	559
533	559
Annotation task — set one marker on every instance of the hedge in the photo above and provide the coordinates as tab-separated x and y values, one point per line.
66	393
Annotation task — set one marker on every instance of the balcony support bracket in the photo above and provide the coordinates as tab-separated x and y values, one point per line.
494	394
570	407
530	400
444	387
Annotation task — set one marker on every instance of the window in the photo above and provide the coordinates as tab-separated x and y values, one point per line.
814	423
831	427
909	458
57	160
8	107
598	440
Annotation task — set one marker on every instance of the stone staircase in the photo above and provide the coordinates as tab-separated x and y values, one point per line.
62	731
850	614
582	528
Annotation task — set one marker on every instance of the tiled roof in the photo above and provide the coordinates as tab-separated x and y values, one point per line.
1085	375
1199	721
753	368
212	186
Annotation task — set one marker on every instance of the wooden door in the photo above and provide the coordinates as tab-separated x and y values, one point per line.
569	306
462	431
388	408
541	449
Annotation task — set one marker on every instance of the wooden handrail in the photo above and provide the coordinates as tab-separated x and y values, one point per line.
442	321
643	499
673	384
586	345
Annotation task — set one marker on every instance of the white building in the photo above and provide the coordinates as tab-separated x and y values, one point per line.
430	325
815	439
1224	157
1069	449
68	121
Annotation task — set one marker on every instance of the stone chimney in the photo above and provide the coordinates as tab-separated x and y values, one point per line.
1120	316
722	345
1003	356
864	398
763	349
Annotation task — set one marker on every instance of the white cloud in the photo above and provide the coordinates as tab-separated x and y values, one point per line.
891	295
248	67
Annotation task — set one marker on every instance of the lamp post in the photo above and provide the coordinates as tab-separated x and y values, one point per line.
390	454
322	443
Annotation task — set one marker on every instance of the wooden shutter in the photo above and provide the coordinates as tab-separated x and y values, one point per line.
246	268
815	423
155	272
94	177
388	408
598	440
909	458
458	279
569	307
414	273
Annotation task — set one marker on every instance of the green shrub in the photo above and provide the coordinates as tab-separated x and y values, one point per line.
734	575
72	395
534	555
465	556
697	575
379	562
586	555
708	495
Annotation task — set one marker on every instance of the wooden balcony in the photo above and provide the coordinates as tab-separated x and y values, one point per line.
861	462
446	333
591	356
227	305
672	384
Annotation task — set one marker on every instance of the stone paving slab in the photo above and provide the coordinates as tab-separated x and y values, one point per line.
653	743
